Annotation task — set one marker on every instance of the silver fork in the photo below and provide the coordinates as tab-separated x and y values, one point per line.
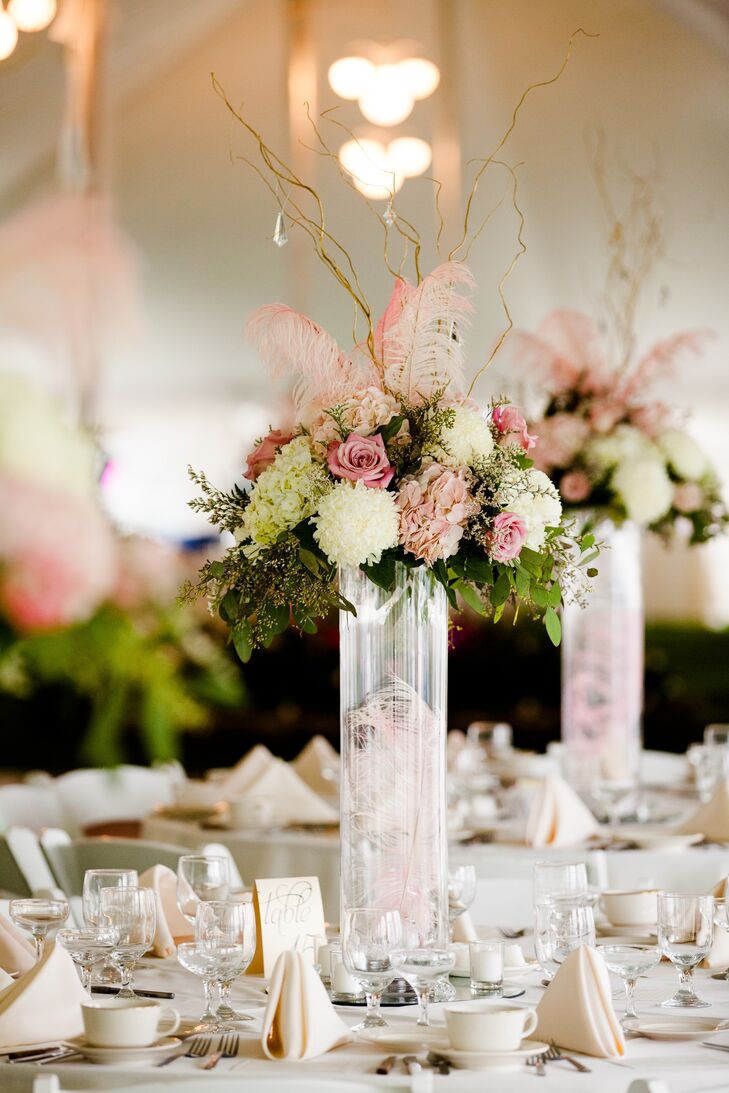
554	1054
200	1046
229	1044
538	1063
510	934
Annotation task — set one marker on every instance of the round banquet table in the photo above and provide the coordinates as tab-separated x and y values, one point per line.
685	1067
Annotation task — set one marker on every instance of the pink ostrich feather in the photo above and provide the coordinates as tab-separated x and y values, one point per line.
661	359
566	346
420	333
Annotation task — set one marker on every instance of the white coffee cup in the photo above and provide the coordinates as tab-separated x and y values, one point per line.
250	811
127	1022
489	1025
630	908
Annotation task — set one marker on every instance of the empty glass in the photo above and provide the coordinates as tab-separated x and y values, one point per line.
559	880
685	935
493	738
371	950
228	924
710	763
717	736
199	880
39	916
97	879
560	928
461	892
132	914
201	960
630	962
421	967
87	947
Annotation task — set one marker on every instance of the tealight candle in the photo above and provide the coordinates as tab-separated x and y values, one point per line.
487	966
323	960
343	985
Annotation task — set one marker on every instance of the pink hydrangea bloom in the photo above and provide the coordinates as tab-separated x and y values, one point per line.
264	453
361	458
575	486
509	420
560	438
506	537
434	508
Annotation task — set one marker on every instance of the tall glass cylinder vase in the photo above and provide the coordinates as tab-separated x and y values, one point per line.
393	718
602	675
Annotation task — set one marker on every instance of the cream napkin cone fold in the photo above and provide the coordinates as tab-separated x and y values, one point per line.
293	801
718	954
711	819
310	764
463	928
576	1010
171	923
558	817
300	1021
44	1004
246	772
17	954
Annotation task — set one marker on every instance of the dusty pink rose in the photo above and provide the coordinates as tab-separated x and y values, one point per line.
434	508
506	537
264	453
688	497
605	413
508	420
361	458
560	438
574	486
650	418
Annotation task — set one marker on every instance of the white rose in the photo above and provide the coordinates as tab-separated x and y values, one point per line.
624	443
683	455
467	441
644	488
534	496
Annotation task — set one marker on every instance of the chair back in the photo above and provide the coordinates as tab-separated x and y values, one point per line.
31	806
70	859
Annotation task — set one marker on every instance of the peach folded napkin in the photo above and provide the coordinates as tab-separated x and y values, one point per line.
299	1022
172	926
245	774
712	819
312	764
576	1010
17	954
293	801
463	929
558	817
44	1004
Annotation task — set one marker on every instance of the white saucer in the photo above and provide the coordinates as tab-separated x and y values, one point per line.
408	1039
126	1056
494	1060
655	838
676	1028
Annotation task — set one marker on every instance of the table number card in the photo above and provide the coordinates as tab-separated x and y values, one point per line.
288	912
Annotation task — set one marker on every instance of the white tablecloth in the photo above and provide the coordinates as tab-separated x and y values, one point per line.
686	1067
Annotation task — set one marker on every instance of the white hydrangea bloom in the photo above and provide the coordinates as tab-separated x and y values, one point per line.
644	488
284	494
355	524
467	441
624	443
534	496
683	454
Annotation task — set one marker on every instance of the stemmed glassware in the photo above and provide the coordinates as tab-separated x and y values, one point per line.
559	880
372	953
132	914
87	947
200	959
228	929
685	935
630	962
560	928
200	879
94	881
421	967
461	892
39	916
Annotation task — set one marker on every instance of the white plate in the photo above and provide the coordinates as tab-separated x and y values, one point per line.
676	1028
408	1039
126	1056
647	838
494	1060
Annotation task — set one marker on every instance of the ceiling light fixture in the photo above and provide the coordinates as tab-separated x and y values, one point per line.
8	35
386	93
30	15
378	171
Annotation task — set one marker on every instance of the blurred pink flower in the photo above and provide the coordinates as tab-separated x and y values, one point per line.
361	458
148	572
575	486
58	558
264	453
688	497
650	418
434	507
506	537
509	419
560	438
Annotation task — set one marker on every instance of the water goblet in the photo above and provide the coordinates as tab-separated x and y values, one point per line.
461	892
201	878
559	880
421	967
200	959
39	916
224	922
630	962
94	881
685	935
87	947
371	951
132	914
561	927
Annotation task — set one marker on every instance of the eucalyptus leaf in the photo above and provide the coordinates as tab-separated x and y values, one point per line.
553	625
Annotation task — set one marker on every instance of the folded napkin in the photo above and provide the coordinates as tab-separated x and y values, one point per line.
299	1022
712	819
718	954
172	926
17	954
558	817
246	772
293	801
44	1004
576	1010
463	928
311	764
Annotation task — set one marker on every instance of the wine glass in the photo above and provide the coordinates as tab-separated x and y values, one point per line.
132	914
200	879
559	880
461	892
630	962
685	935
95	880
87	947
421	967
200	959
371	952
560	928
229	924
39	916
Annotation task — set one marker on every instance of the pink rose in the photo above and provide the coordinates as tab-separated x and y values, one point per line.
506	537
264	453
650	418
361	458
509	419
575	486
688	497
434	508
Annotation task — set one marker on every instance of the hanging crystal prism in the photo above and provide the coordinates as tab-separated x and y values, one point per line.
280	235
389	215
